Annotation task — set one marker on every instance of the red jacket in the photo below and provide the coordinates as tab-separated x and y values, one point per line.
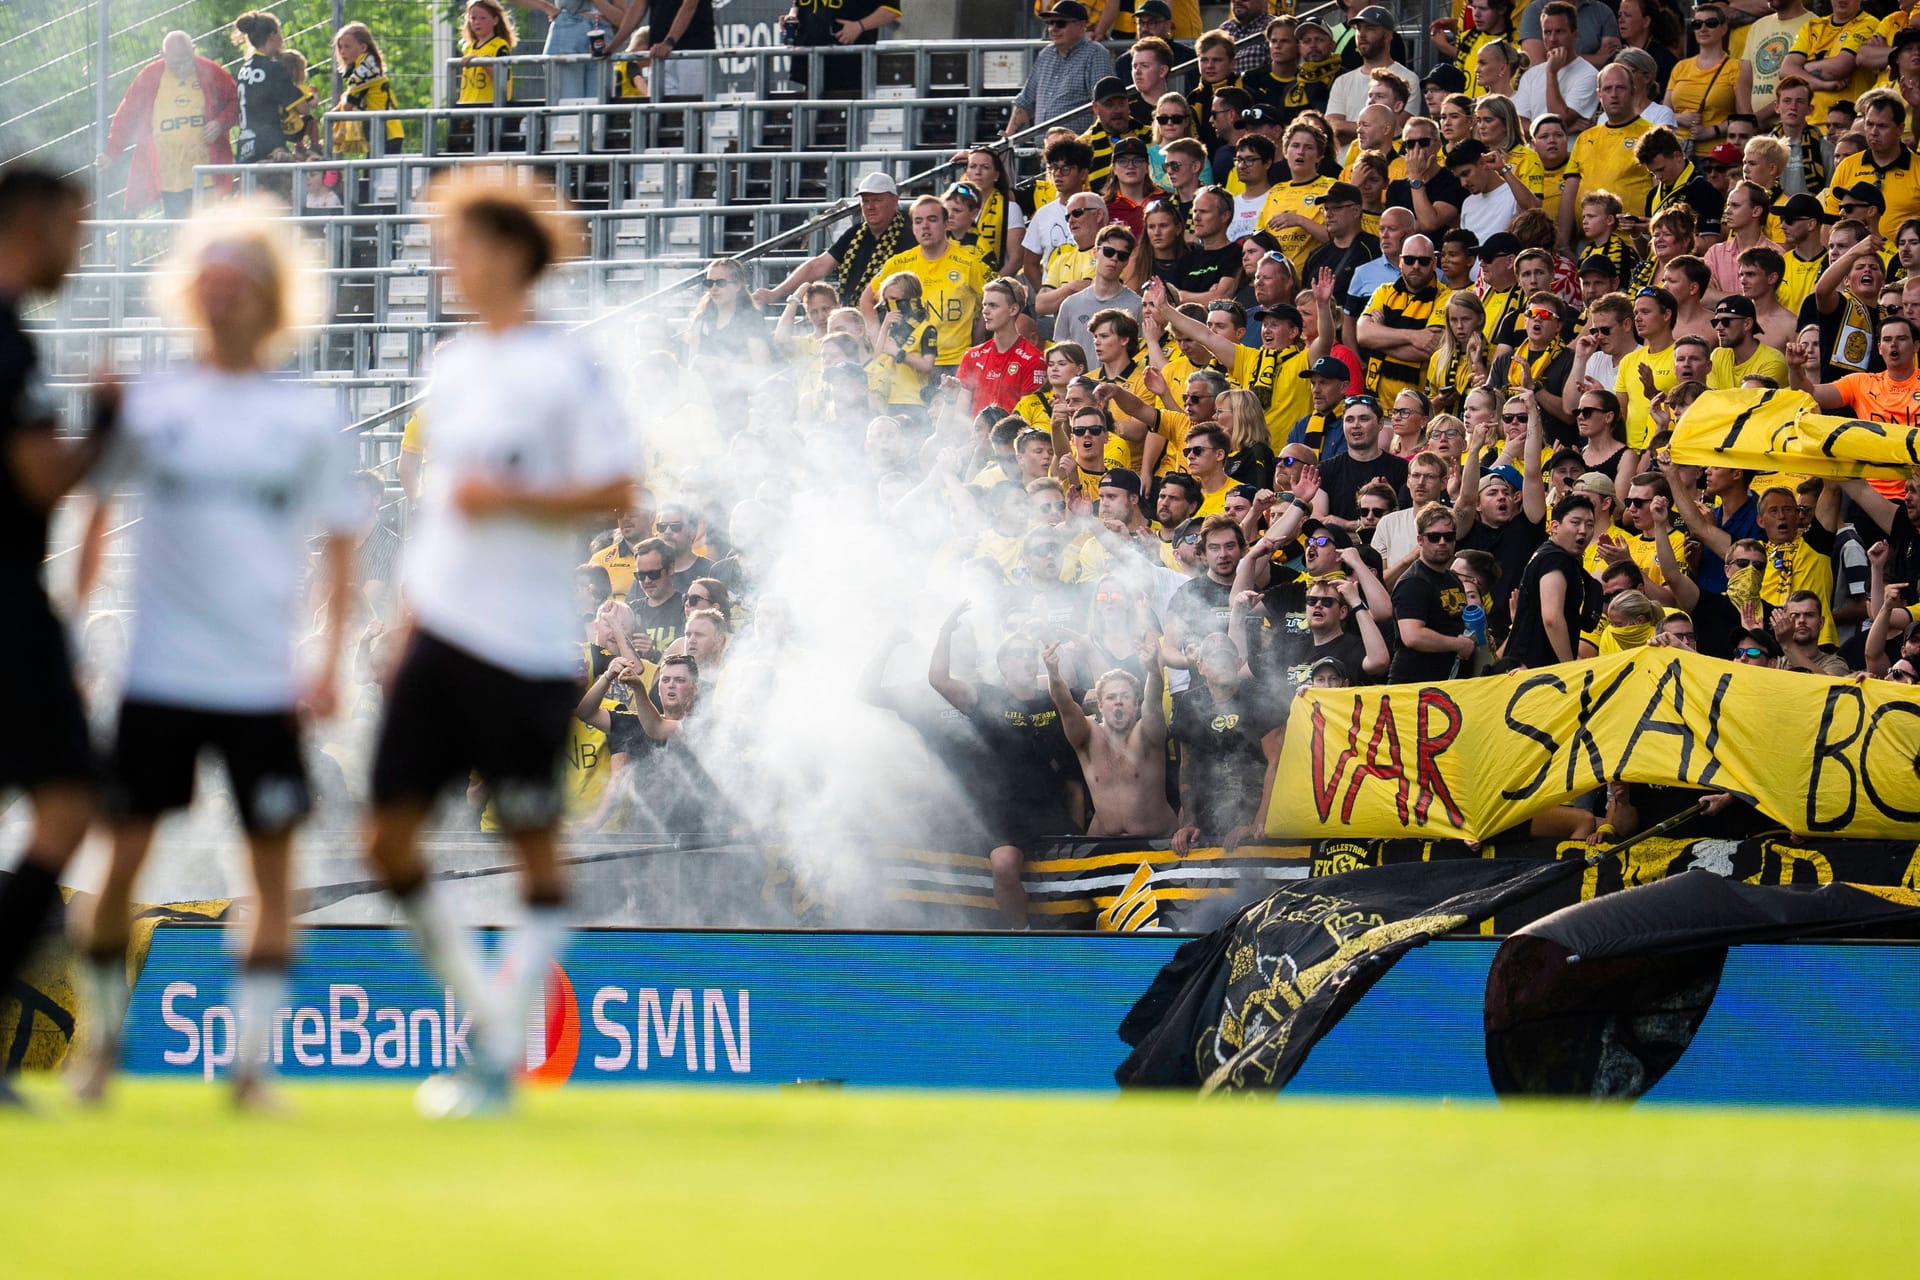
133	126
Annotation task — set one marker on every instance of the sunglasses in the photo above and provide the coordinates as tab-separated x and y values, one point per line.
693	600
1322	602
1721	322
1376	512
1749	651
1363	398
1542	313
1319	540
1409	143
1054	24
1416	260
1513	417
721	283
1606	332
1109	251
1587	411
1705	24
649	575
1087	431
1744	564
669	526
1195	450
1287	464
1437	537
1081	213
1168	119
1631	503
1647	291
1109	597
1050	506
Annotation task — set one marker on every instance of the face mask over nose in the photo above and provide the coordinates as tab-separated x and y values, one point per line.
1743	585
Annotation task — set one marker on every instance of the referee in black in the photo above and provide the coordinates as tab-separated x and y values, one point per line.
44	746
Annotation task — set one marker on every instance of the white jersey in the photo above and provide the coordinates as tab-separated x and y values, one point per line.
235	473
528	409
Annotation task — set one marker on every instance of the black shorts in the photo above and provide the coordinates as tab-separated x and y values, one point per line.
156	752
43	726
450	714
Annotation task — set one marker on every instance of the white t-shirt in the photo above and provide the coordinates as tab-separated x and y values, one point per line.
1394	536
1494	212
1349	93
1657	113
1246	216
234	473
1579	86
1047	229
526	408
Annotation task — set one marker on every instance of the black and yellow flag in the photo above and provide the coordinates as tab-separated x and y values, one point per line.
1762	430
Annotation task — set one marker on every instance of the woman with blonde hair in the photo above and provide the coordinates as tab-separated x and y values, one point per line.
1460	361
1172	118
365	87
1497	124
240	469
1240	414
1496	68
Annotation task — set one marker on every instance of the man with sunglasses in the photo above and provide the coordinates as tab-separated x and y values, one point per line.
1105	289
659	613
1065	72
1205	455
1272	371
1503	510
1070	265
1396	329
1428	607
1429	191
1544	362
1740	351
1091	449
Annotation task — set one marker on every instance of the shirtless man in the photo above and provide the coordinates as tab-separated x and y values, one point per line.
1124	756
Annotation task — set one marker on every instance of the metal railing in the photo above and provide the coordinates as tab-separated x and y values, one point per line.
927	65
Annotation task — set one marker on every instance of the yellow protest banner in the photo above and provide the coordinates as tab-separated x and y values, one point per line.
1762	430
1468	759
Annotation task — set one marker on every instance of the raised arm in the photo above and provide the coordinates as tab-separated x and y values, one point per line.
1533	487
1679	579
959	693
1073	721
1702	530
1153	716
1191	332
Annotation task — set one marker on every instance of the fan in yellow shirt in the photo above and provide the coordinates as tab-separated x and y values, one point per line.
1291	213
951	277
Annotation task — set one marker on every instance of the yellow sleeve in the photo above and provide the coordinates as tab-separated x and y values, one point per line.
413	437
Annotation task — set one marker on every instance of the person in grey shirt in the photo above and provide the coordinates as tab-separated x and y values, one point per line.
1111	249
1064	74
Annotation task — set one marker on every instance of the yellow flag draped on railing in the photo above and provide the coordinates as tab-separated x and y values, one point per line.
1761	430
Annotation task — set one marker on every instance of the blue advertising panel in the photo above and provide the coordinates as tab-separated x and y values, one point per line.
1802	1024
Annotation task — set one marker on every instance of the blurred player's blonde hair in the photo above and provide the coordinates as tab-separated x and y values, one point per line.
513	206
256	234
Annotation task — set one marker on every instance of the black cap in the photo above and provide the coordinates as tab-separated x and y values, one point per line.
1108	87
1562	456
1499	245
1466	152
1153	9
1804	205
1374	16
1736	305
1446	77
1865	193
1328	367
1123	147
1071	10
1121	478
1332	666
1283	311
1246	491
1339	537
1600	262
1256	115
1340	193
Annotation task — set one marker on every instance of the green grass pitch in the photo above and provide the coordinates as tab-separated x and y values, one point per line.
602	1182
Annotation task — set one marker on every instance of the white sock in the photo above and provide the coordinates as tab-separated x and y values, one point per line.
260	994
104	998
535	943
447	950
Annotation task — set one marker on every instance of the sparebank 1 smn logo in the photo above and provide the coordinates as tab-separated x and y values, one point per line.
639	1030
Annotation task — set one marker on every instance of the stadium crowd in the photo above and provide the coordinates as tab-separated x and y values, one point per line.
1297	369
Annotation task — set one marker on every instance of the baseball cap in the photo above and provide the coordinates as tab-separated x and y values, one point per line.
1153	9
1255	116
1499	244
1067	10
1121	478
1124	147
1447	78
877	184
1108	87
1336	536
1340	193
1736	305
1291	314
1601	263
1562	456
1328	367
1726	155
1468	152
1804	206
1315	22
1509	476
1332	666
1865	193
1374	16
1595	482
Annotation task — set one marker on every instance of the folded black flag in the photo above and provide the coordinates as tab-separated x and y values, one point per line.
1242	1007
1600	999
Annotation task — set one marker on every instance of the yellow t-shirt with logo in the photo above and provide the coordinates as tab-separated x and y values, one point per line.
1820	38
1295	197
179	120
1068	262
1626	385
950	288
1603	158
1796	285
476	83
